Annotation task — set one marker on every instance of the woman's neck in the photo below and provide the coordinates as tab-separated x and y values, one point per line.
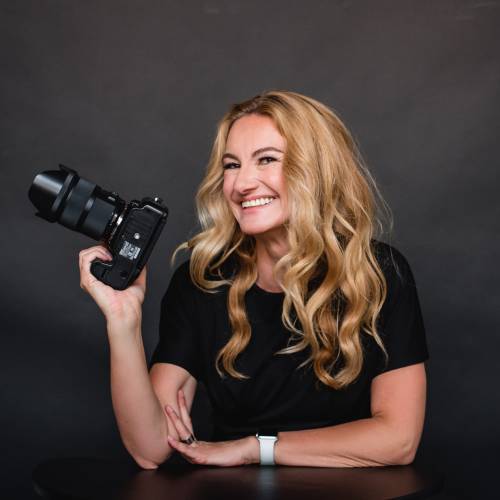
269	251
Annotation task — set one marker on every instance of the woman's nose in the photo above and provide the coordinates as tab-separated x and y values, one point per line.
246	180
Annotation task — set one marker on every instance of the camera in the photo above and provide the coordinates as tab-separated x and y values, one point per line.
128	230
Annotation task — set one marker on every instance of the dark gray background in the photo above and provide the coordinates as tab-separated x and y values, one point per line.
129	93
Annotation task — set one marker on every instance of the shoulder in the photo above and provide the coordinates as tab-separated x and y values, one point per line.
401	325
393	263
181	276
396	269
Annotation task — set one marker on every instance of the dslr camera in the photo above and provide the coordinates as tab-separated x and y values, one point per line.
128	230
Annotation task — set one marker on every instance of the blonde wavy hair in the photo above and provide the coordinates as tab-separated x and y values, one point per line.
333	216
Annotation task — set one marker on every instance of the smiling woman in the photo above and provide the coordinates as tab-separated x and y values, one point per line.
305	328
290	310
254	183
319	227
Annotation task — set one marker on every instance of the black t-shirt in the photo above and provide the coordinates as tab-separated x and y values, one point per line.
194	326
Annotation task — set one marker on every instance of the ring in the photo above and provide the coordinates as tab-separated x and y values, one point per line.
190	439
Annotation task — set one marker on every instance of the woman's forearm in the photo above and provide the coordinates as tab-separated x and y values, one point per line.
140	418
361	443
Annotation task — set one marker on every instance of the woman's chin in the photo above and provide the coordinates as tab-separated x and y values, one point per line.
260	229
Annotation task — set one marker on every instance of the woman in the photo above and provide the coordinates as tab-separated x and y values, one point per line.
289	310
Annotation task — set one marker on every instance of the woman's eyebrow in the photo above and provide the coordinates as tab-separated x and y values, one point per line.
269	148
254	154
229	155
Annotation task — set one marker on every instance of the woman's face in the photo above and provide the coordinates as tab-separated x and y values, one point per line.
253	170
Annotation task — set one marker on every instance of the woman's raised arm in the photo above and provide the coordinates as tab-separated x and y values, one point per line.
139	413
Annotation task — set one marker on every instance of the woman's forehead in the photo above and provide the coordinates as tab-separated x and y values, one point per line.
252	132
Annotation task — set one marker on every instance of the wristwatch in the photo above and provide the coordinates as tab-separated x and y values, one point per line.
267	439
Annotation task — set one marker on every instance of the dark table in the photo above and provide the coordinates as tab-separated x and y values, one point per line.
99	479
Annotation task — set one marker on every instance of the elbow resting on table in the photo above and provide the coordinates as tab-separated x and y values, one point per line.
143	463
408	452
396	453
400	445
148	463
403	453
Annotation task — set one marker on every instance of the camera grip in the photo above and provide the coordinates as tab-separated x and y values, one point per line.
108	273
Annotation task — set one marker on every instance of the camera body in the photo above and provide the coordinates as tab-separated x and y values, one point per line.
128	230
131	242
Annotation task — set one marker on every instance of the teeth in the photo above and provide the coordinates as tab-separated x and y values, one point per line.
257	202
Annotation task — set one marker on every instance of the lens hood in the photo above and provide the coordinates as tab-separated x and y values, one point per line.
49	191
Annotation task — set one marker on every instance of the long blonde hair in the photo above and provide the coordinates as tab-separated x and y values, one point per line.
333	218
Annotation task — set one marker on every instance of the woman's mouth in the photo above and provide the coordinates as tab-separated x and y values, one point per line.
257	203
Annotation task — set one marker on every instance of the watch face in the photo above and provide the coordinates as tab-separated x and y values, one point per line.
268	431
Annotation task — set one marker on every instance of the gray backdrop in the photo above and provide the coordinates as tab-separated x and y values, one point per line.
129	93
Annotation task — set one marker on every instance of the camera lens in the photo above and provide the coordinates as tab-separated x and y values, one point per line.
63	196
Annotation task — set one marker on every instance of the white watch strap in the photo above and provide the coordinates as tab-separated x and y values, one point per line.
267	449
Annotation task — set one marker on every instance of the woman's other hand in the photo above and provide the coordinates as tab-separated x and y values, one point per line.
222	453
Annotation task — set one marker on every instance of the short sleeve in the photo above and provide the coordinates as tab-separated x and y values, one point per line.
178	329
401	324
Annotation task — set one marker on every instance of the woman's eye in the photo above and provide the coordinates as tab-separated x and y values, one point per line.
228	166
266	159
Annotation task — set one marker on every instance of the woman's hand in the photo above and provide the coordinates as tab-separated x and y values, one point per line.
223	453
120	305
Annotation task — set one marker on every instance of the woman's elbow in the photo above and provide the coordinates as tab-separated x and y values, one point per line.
404	452
145	464
148	463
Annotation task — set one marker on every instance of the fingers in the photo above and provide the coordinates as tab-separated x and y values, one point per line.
172	431
187	451
182	430
85	260
184	411
181	421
